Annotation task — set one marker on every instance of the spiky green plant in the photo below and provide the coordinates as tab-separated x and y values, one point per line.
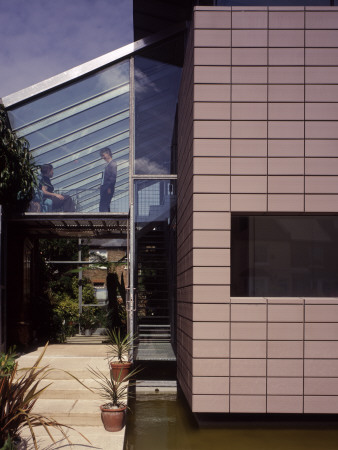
119	345
19	392
114	392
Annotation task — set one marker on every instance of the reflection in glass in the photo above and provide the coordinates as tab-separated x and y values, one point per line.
155	244
69	126
156	90
284	256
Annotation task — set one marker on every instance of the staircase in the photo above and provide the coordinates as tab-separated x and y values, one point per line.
67	401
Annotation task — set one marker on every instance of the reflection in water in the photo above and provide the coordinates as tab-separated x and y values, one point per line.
162	422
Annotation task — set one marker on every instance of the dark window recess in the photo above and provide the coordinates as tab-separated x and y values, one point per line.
292	256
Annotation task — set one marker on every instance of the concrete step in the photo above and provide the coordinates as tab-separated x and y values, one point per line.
69	389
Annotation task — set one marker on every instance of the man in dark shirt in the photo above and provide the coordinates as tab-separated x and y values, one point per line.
108	180
59	201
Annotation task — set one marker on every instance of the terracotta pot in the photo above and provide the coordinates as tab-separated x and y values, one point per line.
113	419
120	369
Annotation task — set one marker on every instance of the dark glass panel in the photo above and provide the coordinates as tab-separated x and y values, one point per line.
292	256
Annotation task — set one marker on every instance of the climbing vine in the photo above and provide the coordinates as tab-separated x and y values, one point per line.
18	172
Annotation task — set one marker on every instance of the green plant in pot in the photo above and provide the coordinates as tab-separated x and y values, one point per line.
115	393
89	320
119	348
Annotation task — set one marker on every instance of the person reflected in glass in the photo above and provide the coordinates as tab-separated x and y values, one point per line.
108	180
59	201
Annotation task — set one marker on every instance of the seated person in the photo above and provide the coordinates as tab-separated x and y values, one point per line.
59	201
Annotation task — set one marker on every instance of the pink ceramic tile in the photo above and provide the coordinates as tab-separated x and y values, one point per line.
249	111
321	349
248	166
282	75
212	93
319	19
321	166
285	349
249	93
248	367
248	313
211	128
287	147
321	38
321	404
321	93
212	56
321	185
212	74
286	19
247	404
212	183
285	368
249	19
285	202
248	349
212	38
249	57
286	129
320	130
286	56
211	111
286	93
215	238
219	294
321	203
248	385
248	147
284	386
286	38
321	56
248	202
249	129
286	111
211	257
249	38
211	349
211	147
285	404
215	166
211	312
285	184
212	19
210	330
211	202
321	111
210	385
210	367
286	313
219	221
321	75
285	331
247	331
321	313
249	75
321	368
286	166
320	386
210	403
248	184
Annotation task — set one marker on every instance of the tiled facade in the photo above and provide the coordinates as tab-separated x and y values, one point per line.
258	133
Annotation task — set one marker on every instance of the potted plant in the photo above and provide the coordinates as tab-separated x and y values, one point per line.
115	393
119	348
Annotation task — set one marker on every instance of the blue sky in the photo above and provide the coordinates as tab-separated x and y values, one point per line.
41	38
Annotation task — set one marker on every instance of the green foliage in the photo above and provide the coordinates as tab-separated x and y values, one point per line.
18	172
7	362
65	318
119	344
18	394
89	319
88	291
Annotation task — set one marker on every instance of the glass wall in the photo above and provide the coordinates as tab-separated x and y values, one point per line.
67	129
277	256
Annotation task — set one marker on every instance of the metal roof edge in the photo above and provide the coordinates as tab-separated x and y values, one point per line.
89	66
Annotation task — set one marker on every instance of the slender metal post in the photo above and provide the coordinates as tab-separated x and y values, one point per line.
80	280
